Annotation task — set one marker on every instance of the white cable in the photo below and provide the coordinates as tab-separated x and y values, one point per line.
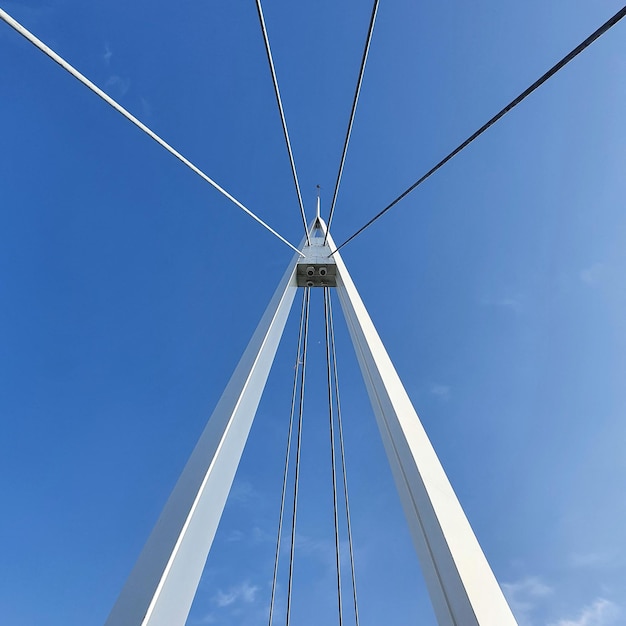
120	109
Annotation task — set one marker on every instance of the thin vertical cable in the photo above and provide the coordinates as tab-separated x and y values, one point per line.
282	116
352	114
343	462
332	452
287	455
307	292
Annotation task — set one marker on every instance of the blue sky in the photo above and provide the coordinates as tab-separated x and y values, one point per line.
129	289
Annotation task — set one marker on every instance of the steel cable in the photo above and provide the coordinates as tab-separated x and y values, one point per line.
131	118
332	452
307	293
287	456
540	81
343	461
282	116
352	114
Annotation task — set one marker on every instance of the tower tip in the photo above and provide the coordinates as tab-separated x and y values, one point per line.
318	202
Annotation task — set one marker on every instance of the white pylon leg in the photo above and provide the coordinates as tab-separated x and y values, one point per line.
462	587
163	583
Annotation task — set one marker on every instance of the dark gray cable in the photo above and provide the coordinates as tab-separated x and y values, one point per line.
343	462
287	455
357	91
282	117
540	81
307	292
332	452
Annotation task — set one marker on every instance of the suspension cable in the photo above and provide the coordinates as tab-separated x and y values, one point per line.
332	453
540	81
352	114
129	116
287	455
282	117
343	461
307	296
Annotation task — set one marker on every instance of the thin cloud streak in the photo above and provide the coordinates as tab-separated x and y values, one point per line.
590	559
594	274
601	612
122	85
514	302
243	593
441	391
524	596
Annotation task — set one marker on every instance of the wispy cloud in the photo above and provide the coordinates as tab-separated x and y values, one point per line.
527	596
146	108
530	586
321	551
107	54
234	536
512	302
259	535
117	83
590	559
311	546
600	613
441	391
243	593
524	596
244	492
28	14
593	274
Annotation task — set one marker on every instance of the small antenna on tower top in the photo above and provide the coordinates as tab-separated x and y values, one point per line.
318	202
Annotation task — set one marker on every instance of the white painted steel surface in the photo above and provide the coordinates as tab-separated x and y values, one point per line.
163	583
462	587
